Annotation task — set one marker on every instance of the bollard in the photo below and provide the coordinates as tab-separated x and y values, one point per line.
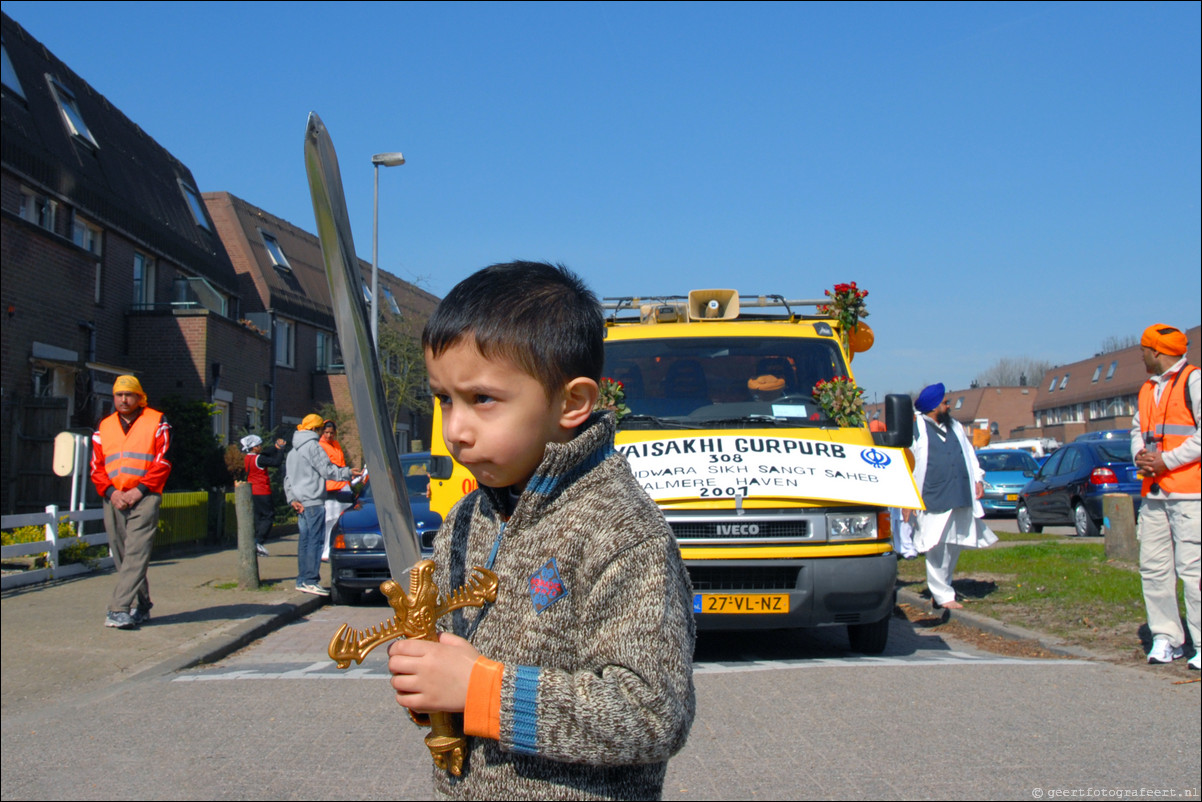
1119	515
248	561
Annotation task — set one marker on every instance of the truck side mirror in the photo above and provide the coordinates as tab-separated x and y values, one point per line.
899	422
440	467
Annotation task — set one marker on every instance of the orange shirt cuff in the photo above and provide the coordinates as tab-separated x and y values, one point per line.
482	712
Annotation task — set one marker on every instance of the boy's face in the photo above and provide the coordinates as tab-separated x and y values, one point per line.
496	418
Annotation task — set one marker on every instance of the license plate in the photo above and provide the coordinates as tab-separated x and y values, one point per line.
1012	497
754	603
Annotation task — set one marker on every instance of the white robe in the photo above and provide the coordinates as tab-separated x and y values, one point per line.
933	528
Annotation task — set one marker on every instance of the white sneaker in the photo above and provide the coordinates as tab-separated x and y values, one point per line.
1162	651
261	550
1194	662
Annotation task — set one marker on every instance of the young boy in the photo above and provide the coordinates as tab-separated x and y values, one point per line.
577	682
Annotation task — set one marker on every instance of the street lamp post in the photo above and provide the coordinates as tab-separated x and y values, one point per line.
387	160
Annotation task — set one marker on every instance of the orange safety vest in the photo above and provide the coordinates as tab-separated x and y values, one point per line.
334	450
127	456
1168	424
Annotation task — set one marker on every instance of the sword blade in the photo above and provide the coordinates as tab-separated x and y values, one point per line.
359	355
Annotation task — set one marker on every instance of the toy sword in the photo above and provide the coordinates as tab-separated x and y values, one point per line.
416	611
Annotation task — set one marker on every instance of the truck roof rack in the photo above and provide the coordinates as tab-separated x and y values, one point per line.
634	304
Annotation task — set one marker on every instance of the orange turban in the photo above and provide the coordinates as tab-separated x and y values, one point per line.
766	384
1164	339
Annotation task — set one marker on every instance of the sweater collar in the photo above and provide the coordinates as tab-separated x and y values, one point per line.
561	465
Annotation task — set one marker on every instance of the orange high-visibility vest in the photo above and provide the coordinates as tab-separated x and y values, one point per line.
334	450
127	456
1168	424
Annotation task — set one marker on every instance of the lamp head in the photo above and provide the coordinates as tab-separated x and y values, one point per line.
388	159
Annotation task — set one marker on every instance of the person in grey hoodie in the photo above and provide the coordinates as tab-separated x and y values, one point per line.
307	469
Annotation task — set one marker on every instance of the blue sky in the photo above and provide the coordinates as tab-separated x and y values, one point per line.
1007	180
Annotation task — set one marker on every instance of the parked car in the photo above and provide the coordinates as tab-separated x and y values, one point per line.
1109	434
357	559
1068	489
1007	471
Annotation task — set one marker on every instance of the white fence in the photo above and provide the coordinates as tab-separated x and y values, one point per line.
51	545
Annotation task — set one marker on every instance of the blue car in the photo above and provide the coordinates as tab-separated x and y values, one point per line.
1007	472
357	559
1068	489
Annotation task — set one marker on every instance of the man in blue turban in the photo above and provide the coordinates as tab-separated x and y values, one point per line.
951	480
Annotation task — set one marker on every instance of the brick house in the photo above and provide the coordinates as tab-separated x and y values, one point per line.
1094	394
111	265
286	293
997	410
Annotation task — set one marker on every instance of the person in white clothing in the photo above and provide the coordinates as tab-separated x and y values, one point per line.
951	481
1166	446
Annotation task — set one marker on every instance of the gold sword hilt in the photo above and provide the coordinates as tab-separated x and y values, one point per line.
416	614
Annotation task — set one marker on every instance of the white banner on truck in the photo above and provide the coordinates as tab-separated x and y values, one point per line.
757	466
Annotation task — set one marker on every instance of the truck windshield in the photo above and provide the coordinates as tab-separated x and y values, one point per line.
723	381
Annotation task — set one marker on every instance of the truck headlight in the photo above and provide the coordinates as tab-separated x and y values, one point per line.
851	526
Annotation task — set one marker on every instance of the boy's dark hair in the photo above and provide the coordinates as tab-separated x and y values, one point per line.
542	317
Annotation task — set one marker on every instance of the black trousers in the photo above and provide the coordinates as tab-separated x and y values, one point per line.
264	513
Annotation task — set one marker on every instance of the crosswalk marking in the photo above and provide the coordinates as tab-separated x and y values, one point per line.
325	669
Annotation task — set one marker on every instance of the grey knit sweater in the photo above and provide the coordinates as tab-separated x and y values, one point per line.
594	624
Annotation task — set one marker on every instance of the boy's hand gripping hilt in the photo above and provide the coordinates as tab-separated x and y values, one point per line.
416	614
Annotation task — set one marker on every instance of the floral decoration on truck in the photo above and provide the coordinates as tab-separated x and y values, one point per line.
841	400
847	306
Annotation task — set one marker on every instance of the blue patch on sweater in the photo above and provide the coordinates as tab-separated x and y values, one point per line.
546	587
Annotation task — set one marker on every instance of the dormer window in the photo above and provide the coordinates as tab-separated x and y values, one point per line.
392	304
9	76
72	117
275	251
196	205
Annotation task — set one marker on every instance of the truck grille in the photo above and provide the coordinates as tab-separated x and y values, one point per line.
795	529
706	578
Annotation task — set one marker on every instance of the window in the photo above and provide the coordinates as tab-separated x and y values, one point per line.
37	208
392	304
71	114
1064	381
1052	386
254	414
959	402
1110	371
275	252
328	355
9	76
196	205
143	281
1096	374
221	421
367	293
285	343
87	235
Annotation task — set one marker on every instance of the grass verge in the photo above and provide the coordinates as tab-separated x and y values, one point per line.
1065	589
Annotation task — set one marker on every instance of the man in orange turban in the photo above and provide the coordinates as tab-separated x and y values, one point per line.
1166	447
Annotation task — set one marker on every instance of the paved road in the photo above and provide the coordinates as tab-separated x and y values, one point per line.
780	716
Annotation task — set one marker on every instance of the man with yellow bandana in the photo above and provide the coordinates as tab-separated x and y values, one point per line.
129	470
1165	445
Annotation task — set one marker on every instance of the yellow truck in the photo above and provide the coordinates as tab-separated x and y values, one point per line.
780	512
